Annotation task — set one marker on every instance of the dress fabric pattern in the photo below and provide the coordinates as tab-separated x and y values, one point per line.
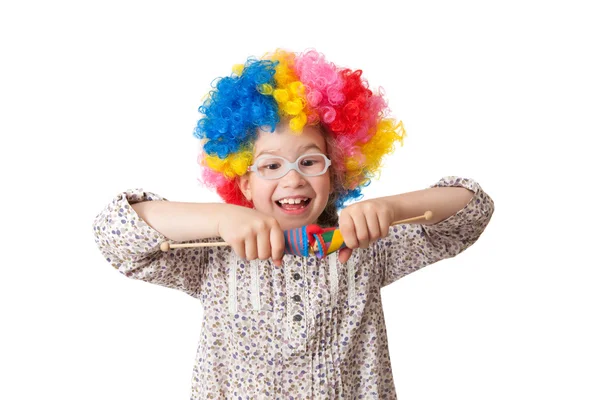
312	329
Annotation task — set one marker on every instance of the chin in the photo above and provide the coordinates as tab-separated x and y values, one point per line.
287	225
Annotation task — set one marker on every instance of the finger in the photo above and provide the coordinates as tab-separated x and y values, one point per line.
373	227
250	247
348	231
362	230
384	225
277	245
263	244
239	249
344	255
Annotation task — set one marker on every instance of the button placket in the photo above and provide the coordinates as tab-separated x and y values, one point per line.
295	304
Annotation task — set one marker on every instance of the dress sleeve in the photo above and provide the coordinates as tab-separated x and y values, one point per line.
132	247
410	247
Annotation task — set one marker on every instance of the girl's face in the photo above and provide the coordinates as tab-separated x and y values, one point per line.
272	197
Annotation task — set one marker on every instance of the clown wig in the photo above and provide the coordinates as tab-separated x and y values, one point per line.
302	89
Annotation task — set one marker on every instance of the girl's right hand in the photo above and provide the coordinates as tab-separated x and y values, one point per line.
252	234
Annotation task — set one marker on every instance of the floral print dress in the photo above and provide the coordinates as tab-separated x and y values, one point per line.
312	329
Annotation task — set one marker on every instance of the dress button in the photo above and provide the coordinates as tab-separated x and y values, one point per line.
296	276
296	297
297	317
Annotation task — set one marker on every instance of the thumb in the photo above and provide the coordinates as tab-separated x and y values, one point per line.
345	254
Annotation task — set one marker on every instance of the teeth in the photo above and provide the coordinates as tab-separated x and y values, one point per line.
292	201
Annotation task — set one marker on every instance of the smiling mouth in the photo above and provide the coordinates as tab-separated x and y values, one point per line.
293	204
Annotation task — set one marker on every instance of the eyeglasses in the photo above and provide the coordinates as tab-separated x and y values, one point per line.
274	167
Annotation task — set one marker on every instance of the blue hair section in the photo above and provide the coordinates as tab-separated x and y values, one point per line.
235	109
347	196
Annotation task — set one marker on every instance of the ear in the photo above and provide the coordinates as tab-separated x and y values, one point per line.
244	185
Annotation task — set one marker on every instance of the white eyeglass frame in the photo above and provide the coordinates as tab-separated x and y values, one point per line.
290	165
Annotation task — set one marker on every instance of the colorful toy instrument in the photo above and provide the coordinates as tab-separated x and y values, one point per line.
304	241
313	240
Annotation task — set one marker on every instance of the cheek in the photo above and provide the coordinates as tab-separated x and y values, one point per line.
262	197
324	186
262	192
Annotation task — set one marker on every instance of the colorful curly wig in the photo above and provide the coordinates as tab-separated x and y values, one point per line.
302	88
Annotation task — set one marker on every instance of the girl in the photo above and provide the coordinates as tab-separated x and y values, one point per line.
288	140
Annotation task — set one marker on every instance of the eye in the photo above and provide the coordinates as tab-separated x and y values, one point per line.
269	165
310	161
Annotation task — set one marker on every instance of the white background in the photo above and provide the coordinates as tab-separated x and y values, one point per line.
98	97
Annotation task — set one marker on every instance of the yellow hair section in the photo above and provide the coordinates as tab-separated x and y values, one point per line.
235	164
372	152
289	91
237	69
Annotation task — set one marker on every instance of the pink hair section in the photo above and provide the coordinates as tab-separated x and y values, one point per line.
226	188
213	178
327	89
323	83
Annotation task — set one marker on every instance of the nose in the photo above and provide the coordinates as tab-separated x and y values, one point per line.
293	179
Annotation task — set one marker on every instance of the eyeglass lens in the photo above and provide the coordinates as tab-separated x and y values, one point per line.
275	167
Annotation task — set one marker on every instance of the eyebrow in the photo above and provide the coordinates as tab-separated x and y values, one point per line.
301	149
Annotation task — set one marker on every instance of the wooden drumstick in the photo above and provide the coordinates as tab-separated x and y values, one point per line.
166	246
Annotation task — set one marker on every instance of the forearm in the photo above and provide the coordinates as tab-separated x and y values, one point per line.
180	221
444	202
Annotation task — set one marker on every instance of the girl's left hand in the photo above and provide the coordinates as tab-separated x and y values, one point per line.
363	223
